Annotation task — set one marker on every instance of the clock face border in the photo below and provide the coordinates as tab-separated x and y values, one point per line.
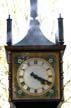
19	57
31	76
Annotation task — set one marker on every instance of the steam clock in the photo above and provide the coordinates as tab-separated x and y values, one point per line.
35	66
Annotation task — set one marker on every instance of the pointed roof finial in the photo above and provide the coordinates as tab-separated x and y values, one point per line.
60	15
33	6
9	16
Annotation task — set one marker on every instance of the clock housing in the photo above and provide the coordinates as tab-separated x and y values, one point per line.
52	58
30	72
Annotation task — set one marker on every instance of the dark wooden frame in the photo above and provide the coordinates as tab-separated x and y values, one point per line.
52	48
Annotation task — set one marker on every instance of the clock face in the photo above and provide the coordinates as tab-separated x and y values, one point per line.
35	76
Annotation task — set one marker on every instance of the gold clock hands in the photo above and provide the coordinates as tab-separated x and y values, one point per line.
42	80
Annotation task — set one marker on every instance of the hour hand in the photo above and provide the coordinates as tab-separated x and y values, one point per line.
42	80
34	75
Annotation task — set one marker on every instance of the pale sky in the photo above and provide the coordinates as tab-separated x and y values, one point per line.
48	12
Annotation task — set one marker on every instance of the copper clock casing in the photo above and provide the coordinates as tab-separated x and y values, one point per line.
52	58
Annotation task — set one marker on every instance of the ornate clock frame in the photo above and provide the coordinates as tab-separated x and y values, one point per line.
55	50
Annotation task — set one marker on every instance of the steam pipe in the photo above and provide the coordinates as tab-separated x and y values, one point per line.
9	31
60	27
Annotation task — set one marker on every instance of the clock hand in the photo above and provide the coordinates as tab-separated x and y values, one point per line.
34	75
42	80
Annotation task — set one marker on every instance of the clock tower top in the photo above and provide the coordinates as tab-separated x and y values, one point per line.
34	35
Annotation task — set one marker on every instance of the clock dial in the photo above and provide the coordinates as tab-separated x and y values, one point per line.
35	76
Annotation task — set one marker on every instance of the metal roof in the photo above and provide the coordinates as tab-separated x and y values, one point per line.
34	36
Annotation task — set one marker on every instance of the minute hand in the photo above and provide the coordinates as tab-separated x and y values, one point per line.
42	80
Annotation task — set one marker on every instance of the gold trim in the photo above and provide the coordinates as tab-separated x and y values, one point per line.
31	55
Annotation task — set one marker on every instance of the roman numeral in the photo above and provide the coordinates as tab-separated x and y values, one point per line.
23	69
22	83
35	61
28	88
50	76
48	69
35	90
20	76
28	64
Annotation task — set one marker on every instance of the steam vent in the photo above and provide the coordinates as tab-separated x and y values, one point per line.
34	35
